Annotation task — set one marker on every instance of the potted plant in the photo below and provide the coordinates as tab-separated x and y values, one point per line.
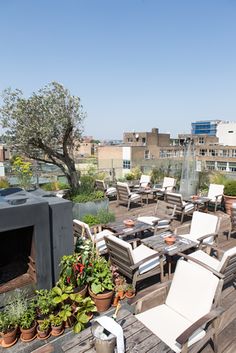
8	329
66	314
43	329
229	195
101	283
83	313
130	291
28	324
56	324
120	290
44	303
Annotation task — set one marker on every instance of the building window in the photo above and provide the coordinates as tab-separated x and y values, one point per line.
130	140
225	153
232	167
210	165
202	152
147	154
201	140
126	164
233	153
221	165
230	132
143	140
213	153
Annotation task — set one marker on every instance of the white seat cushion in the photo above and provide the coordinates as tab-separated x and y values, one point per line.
188	207
152	221
135	197
140	253
111	191
215	190
206	259
168	325
227	253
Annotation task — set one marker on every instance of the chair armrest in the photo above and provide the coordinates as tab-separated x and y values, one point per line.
133	267
219	252
208	318
134	242
207	236
188	257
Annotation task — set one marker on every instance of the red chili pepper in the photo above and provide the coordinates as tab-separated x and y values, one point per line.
68	279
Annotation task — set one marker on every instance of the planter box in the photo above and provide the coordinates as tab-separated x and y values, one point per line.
90	207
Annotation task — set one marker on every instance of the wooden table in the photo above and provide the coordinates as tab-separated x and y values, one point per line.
157	242
138	339
123	231
145	192
199	202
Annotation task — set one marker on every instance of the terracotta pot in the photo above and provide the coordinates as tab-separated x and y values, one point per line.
57	330
9	338
82	291
130	293
229	200
102	300
28	334
43	334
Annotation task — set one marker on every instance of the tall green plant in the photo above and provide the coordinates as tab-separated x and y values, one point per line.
23	171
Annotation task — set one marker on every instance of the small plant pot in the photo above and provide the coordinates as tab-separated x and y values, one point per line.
82	291
130	293
9	338
57	330
43	335
102	300
28	335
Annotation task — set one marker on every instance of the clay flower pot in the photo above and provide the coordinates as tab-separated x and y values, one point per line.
57	330
129	223
170	240
130	293
28	335
9	338
102	300
43	335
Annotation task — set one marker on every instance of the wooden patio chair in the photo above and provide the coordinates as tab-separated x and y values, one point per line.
163	220
168	185
136	264
145	180
108	191
183	208
203	229
185	314
124	195
221	261
215	194
96	234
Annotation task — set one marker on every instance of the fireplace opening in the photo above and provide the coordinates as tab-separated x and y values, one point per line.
17	258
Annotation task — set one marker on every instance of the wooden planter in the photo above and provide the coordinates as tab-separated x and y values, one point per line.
102	300
229	200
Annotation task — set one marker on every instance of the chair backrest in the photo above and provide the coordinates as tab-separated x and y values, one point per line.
214	190
81	229
144	180
202	224
192	290
120	253
123	191
100	185
175	199
227	265
169	183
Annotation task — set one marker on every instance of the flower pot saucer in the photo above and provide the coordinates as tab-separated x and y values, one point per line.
43	338
31	339
4	345
58	334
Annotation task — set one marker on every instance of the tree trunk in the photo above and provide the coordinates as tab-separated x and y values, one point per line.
73	177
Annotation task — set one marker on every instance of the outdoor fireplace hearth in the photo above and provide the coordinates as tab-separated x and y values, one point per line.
35	231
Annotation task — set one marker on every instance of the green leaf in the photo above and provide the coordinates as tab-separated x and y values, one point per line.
78	327
83	318
96	288
57	290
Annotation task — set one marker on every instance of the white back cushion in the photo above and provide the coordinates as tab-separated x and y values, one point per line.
192	290
168	182
144	180
202	224
214	190
88	233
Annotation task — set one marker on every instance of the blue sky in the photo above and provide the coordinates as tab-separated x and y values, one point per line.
136	64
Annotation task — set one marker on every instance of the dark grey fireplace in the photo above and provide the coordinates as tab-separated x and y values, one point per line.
35	232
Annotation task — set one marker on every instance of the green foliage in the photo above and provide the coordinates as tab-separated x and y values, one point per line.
28	318
54	186
65	312
4	183
87	184
7	322
46	126
156	175
101	276
56	320
103	217
94	196
44	325
16	306
230	188
218	178
23	171
44	301
204	181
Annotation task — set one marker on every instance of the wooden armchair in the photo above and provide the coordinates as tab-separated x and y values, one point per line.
183	208
135	263
187	309
108	191
124	195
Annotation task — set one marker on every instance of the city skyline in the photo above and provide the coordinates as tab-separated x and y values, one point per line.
135	64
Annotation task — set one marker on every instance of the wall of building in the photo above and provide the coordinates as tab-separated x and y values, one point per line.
226	132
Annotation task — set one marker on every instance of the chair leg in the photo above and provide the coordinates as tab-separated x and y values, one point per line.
134	281
128	204
182	218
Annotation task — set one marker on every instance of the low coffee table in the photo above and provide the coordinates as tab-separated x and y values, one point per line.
200	202
123	231
157	242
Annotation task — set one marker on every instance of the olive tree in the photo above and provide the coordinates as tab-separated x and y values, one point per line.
46	127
